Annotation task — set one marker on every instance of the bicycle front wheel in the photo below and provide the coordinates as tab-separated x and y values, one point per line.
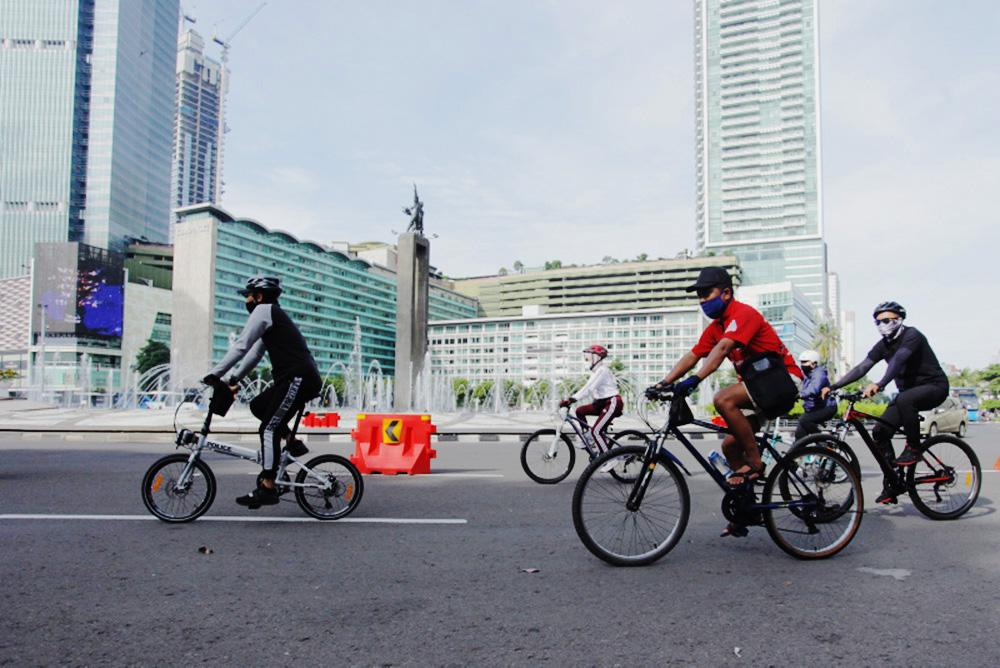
613	532
165	497
547	457
812	503
334	487
945	481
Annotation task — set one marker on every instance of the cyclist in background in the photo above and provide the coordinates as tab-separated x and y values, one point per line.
602	387
296	379
816	409
921	382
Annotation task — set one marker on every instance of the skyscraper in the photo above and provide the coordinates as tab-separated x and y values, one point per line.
758	140
196	126
86	110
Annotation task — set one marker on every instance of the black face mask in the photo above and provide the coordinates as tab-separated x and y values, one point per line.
251	306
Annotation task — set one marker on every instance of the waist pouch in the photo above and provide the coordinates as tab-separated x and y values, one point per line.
769	384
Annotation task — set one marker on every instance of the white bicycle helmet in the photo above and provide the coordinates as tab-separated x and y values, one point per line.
809	356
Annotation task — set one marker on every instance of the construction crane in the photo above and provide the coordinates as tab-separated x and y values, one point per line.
223	91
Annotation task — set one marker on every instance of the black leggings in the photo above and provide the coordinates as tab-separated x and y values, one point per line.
904	410
809	422
274	407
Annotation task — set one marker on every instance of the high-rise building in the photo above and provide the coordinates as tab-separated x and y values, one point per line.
833	296
758	140
86	110
197	124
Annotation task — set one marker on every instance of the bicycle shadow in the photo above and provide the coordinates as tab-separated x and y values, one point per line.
983	508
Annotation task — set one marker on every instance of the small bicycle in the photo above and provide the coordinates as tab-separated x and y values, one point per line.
548	455
811	502
943	485
181	487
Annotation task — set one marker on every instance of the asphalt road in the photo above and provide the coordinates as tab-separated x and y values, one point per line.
907	591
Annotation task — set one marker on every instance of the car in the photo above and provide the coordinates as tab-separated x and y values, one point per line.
949	417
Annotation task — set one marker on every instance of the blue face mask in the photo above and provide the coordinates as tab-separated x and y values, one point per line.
714	308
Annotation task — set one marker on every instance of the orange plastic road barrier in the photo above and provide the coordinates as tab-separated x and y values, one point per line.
393	443
996	466
321	419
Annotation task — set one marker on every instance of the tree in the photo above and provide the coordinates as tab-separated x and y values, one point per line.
518	266
503	271
154	353
460	386
641	257
607	259
553	264
964	378
826	341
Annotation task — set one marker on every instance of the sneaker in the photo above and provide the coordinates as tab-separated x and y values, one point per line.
887	497
296	448
908	458
262	496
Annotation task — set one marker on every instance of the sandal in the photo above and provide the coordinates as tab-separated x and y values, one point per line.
748	476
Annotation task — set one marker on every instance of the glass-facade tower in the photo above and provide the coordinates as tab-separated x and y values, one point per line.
194	178
86	116
758	140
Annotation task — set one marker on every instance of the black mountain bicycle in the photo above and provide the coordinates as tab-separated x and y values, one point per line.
811	502
943	485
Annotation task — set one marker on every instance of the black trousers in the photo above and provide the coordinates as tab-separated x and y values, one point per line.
274	407
904	410
810	422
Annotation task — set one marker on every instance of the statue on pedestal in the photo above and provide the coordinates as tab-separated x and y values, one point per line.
416	214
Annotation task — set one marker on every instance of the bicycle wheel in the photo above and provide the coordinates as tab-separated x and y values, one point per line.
629	468
164	498
830	441
812	516
336	491
547	457
945	482
624	537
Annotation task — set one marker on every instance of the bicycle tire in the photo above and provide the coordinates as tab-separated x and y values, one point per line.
536	444
592	485
816	516
629	470
155	480
971	479
839	446
348	491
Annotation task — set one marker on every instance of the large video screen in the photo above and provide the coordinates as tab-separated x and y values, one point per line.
81	290
100	293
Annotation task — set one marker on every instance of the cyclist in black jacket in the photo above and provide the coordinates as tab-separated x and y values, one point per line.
296	378
921	382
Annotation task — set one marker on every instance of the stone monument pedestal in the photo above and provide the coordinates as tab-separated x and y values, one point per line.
412	290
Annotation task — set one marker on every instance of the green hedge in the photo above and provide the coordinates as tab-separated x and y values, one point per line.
989	404
870	407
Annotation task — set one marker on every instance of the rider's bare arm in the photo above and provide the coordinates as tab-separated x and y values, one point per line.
715	358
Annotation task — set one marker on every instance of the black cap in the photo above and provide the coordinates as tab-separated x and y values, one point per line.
711	277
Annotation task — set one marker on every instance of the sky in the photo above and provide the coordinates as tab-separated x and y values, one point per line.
564	129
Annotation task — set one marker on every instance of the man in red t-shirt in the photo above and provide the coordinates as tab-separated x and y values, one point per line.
737	332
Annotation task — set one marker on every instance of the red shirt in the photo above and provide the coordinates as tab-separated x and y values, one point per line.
752	334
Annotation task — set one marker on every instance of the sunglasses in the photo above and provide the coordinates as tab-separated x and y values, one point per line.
882	321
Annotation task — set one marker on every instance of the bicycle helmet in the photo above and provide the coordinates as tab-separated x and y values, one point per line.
600	351
894	307
260	283
809	356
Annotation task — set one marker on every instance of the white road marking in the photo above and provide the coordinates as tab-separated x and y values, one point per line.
899	574
234	518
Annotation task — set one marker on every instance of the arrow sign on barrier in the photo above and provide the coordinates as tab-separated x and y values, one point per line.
391	430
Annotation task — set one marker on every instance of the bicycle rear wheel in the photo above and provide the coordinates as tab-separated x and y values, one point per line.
624	537
813	503
628	470
335	500
547	457
828	440
945	481
162	495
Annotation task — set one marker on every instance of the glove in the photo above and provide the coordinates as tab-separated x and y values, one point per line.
686	386
211	380
566	403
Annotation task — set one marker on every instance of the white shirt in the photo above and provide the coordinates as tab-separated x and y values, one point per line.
602	384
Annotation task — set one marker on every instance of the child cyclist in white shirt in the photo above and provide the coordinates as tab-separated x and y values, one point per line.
602	387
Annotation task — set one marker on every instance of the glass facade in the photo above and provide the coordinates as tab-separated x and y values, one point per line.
758	144
194	178
787	309
131	121
44	54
